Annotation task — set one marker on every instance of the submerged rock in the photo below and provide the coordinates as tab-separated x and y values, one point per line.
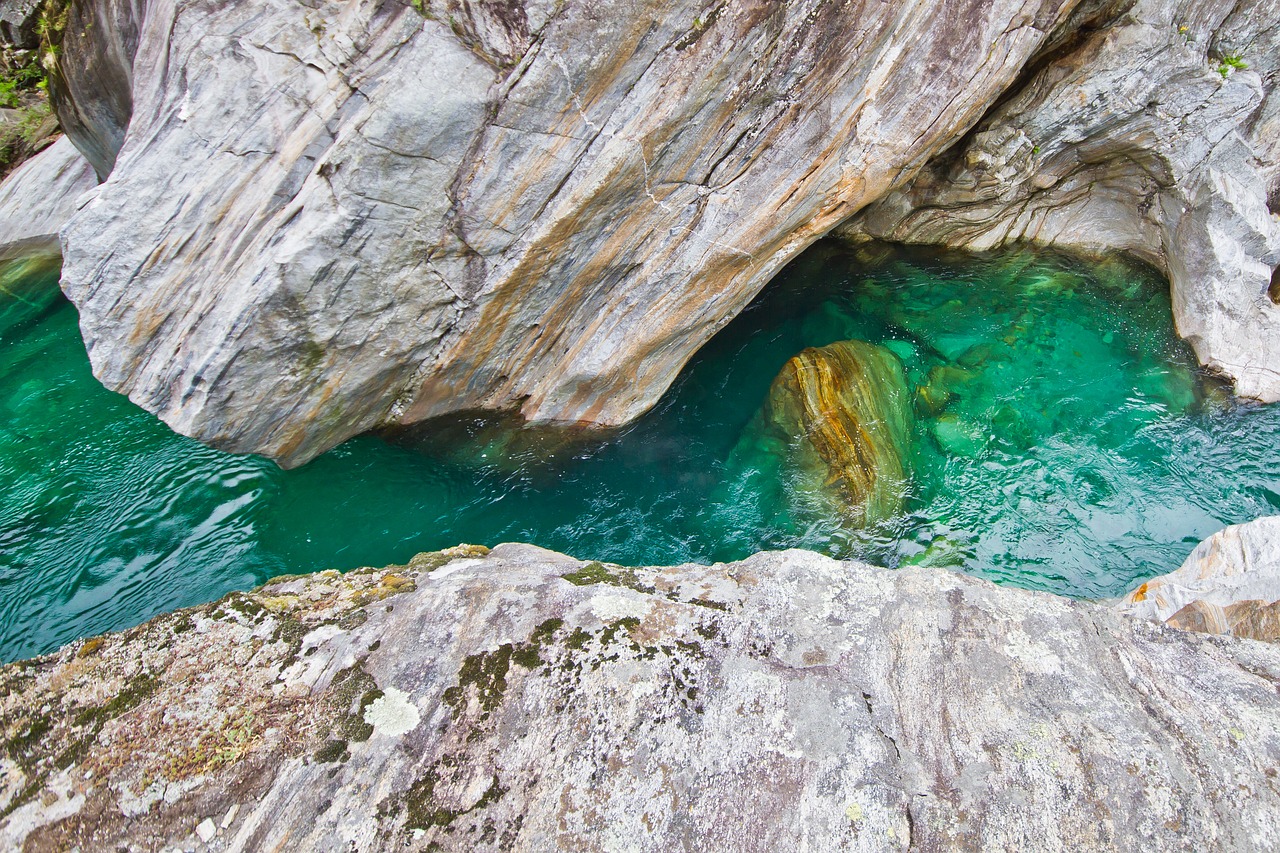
381	217
1152	129
1230	584
525	700
841	414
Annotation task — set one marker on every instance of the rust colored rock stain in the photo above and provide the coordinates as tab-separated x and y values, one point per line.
848	404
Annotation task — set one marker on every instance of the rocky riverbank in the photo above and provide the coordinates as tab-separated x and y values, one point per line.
521	699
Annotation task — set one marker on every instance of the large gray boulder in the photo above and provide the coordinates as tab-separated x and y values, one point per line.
329	216
524	700
1139	135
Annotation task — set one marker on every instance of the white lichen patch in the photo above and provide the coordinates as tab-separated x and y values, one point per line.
612	607
454	567
1033	654
393	714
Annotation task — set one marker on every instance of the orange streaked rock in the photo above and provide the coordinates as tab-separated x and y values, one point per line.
843	412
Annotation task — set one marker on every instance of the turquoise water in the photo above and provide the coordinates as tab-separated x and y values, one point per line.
1064	442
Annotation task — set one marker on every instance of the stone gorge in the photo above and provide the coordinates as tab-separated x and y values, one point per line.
329	217
289	223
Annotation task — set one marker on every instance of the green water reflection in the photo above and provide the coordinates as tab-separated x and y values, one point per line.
1063	441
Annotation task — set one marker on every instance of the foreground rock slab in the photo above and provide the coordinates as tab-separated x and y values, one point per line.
525	700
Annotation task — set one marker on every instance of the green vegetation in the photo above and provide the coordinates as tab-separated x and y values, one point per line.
24	88
424	808
15	80
596	572
1230	62
24	91
349	686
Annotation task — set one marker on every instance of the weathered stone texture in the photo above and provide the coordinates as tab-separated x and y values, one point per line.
524	700
1135	135
329	216
1230	584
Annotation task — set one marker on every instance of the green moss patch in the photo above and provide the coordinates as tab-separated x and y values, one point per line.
598	573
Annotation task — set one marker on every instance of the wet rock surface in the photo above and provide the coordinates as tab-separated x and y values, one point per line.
840	416
521	699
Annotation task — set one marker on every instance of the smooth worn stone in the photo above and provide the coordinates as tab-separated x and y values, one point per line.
38	198
1230	584
526	700
377	217
1137	134
1255	620
842	413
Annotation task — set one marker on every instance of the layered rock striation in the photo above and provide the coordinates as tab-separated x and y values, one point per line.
329	217
1152	131
1230	584
525	700
333	216
839	417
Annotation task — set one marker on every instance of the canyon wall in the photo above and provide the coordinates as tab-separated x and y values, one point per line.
1153	131
320	218
326	217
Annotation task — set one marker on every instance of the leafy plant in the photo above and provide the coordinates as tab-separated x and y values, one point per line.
1230	62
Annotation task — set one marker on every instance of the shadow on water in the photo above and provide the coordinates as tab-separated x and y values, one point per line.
1062	439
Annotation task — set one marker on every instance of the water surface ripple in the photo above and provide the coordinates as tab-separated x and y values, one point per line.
1063	441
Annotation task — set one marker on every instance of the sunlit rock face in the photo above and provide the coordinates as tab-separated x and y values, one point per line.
1230	584
325	217
839	417
1154	131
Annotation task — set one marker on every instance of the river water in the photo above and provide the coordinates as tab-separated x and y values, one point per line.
1063	440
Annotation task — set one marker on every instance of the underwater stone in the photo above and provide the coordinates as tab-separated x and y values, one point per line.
843	413
1177	165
